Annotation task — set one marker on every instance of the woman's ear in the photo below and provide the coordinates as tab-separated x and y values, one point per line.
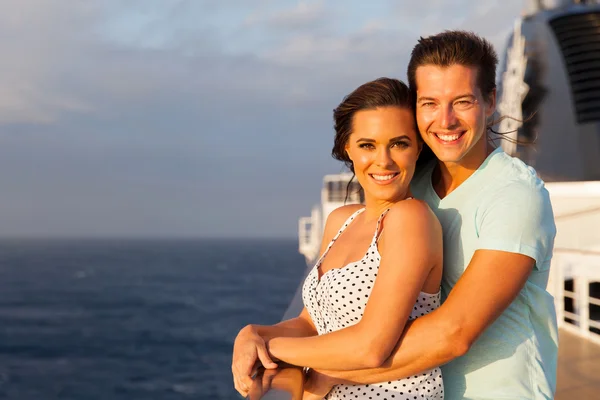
347	150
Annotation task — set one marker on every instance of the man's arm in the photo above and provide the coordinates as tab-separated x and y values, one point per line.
490	283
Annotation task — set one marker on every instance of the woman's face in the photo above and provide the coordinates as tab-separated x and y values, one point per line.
384	147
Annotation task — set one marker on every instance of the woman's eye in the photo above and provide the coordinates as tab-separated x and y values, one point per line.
402	145
366	146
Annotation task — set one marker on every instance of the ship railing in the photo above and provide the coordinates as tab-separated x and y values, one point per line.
309	231
573	272
304	234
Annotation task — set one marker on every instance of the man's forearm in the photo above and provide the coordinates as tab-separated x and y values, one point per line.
426	343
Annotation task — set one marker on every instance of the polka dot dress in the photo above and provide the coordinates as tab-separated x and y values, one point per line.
338	300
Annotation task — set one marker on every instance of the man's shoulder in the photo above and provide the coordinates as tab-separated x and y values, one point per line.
512	176
515	193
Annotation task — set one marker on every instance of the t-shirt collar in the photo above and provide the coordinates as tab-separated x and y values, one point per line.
470	180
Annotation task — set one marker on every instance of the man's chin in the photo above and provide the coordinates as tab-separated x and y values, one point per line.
448	157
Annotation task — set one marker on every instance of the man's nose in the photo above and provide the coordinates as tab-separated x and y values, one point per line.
447	117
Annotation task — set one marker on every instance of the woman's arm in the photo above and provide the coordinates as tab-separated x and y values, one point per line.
410	247
300	326
249	347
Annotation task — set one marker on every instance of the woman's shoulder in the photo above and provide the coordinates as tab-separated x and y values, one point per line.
337	217
411	224
412	207
411	214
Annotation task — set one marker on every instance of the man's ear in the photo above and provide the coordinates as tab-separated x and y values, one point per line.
491	104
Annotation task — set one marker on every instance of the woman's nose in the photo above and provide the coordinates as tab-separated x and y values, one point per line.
383	158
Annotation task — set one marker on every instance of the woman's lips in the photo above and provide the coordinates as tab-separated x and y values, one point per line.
384	179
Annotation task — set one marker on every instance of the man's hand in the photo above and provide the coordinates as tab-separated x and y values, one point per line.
248	349
317	385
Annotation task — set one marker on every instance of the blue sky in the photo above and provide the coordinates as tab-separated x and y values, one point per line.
166	118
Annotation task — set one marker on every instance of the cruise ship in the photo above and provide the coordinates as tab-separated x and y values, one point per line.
550	87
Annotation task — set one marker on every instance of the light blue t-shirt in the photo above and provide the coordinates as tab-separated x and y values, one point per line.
502	206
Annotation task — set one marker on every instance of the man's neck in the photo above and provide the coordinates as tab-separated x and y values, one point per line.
447	176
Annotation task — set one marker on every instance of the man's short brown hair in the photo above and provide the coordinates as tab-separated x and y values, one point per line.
456	47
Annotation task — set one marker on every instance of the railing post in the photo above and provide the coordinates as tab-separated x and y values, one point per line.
559	289
583	305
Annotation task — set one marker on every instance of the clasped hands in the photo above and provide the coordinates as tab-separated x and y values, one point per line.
255	371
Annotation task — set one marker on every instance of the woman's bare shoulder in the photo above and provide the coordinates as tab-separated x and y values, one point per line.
338	216
412	214
335	220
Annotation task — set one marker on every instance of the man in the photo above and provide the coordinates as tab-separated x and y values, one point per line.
495	333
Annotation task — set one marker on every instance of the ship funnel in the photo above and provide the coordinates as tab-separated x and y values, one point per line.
541	5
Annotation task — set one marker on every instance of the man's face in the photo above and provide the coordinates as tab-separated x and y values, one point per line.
452	112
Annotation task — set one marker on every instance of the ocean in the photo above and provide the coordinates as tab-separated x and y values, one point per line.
134	319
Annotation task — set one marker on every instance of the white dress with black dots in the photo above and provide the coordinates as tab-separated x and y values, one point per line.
338	301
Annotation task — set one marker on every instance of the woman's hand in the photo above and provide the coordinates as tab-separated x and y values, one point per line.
287	380
317	385
262	383
248	349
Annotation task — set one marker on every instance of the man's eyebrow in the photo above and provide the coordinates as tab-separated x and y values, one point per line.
460	96
470	95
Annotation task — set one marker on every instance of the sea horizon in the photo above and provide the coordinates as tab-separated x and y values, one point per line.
135	319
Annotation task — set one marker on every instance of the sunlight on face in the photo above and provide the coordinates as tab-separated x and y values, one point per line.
384	147
452	113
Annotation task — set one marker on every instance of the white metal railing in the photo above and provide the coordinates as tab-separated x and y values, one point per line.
305	240
583	267
576	256
309	234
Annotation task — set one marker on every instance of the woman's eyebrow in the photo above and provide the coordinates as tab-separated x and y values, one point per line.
367	140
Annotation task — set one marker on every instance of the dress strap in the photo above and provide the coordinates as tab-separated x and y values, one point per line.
377	232
342	229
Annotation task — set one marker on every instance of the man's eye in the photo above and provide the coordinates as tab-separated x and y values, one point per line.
427	104
464	103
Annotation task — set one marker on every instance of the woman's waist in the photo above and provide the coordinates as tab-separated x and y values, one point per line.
415	383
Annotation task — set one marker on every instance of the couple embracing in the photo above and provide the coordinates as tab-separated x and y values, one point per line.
435	288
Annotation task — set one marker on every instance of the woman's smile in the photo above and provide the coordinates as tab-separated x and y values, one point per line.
384	179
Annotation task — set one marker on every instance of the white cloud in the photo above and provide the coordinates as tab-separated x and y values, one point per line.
303	15
141	102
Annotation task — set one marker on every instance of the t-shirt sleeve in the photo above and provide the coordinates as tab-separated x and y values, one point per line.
519	219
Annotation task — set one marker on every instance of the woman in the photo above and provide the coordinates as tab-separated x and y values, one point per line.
381	263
